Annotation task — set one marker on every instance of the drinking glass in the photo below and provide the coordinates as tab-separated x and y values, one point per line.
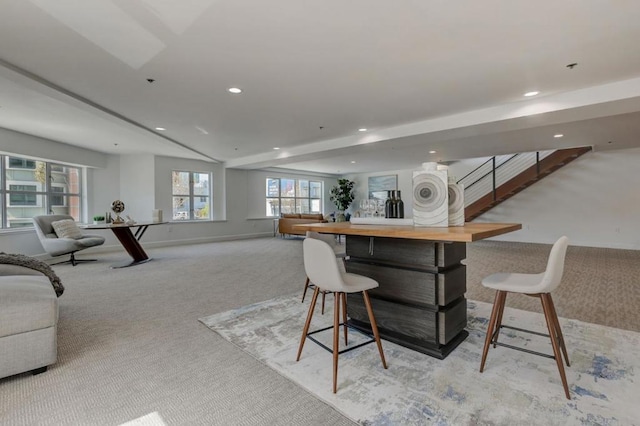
363	207
371	207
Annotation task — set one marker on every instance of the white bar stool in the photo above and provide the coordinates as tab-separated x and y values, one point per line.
337	249
537	285
322	268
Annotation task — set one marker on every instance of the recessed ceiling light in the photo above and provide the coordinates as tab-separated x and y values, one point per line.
276	148
353	162
528	94
162	129
432	152
559	135
235	90
362	130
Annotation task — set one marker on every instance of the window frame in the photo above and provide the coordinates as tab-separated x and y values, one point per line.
193	196
44	192
296	199
25	192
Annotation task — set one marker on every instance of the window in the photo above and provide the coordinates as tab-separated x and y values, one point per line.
57	200
31	187
26	197
285	195
21	163
191	192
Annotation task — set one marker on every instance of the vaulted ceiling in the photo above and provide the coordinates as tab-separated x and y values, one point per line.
419	76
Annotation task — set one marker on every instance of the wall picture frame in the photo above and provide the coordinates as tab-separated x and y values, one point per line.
379	185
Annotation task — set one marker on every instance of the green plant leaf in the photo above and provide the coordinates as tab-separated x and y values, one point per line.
342	194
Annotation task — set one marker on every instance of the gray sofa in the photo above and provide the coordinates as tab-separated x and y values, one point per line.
28	321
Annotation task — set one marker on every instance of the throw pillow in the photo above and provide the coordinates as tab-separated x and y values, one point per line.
66	228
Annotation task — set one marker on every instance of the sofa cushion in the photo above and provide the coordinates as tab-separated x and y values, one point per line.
316	216
286	225
6	269
27	303
66	228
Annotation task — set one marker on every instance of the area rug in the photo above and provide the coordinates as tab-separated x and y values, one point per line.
515	388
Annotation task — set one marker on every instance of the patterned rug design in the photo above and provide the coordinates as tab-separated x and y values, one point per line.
515	388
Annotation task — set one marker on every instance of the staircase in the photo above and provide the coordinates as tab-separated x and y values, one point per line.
501	177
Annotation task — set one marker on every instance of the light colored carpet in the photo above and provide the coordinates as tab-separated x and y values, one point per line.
599	285
516	388
151	419
129	342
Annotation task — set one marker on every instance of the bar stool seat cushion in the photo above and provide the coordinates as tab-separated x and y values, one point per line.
356	283
514	282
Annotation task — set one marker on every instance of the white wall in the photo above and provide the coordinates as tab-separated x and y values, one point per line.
594	200
405	185
32	146
256	189
143	183
137	186
162	183
405	182
103	187
25	241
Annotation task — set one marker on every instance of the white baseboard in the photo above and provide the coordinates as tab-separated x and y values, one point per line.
166	243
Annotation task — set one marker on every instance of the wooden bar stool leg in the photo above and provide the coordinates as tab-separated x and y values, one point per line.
305	330
490	328
344	317
559	330
336	340
306	286
546	307
496	333
324	295
374	326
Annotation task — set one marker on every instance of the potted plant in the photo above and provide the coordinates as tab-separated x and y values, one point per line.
342	196
97	219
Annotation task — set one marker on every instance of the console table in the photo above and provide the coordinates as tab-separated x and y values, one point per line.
129	240
420	302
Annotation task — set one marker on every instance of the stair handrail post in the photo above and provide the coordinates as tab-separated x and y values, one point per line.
494	178
537	163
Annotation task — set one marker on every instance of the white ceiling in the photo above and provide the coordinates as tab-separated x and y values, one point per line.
419	75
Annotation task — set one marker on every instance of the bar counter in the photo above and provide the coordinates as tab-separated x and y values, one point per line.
420	302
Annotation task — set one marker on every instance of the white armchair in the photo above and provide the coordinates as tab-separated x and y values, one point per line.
56	245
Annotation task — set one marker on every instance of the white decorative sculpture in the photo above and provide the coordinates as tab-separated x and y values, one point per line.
456	202
430	196
118	207
157	215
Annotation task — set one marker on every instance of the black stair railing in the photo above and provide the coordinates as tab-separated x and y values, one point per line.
491	168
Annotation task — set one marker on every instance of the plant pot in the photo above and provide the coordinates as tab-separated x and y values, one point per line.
341	217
